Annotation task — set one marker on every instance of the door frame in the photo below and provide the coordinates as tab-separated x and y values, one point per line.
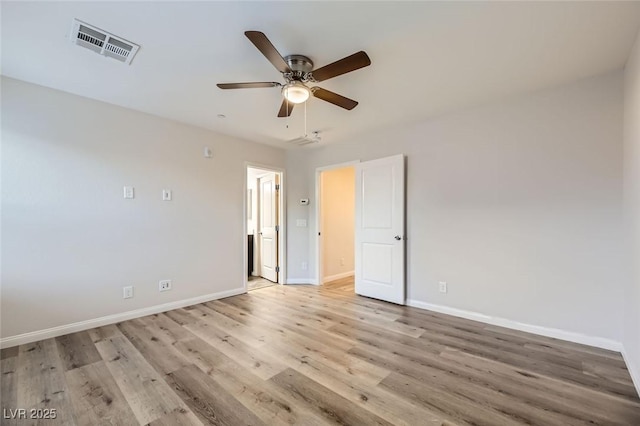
318	210
282	233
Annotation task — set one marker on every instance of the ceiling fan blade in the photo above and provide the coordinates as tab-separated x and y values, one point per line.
248	85
333	98
271	53
285	108
350	63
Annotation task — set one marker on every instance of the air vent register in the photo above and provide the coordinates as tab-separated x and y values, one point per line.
102	42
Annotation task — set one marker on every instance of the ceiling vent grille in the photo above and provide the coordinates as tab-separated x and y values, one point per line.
102	42
306	140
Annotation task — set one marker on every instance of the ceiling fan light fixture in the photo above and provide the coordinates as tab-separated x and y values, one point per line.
298	70
296	92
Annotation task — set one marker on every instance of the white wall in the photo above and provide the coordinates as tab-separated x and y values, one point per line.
252	223
517	205
70	241
631	339
338	222
252	185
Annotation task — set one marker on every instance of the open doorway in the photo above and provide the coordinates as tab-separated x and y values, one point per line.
264	215
336	226
378	238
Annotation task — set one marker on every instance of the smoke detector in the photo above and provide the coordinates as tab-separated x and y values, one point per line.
102	42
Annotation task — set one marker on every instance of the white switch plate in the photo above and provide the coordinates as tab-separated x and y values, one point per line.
301	223
442	286
127	292
128	192
208	153
303	266
164	285
166	195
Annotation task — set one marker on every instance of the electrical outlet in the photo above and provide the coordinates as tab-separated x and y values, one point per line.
165	285
127	292
342	261
303	266
442	285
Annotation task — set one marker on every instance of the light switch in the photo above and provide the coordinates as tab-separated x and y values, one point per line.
208	152
127	292
166	195
301	223
128	192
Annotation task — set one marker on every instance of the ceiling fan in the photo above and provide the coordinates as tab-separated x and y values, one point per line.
297	70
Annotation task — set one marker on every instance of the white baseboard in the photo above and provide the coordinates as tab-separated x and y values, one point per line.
34	336
294	281
599	342
634	369
337	276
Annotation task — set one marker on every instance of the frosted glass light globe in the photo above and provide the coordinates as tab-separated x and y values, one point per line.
296	92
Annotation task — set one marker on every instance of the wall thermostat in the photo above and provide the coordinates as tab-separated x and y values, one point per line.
304	201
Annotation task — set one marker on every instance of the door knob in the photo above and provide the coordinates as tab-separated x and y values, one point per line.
398	237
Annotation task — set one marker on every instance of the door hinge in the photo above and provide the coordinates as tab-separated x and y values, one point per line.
277	269
277	187
277	228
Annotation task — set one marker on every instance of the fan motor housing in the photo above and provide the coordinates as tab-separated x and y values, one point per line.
300	66
299	63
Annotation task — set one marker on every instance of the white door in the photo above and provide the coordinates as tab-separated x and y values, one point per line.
379	232
269	227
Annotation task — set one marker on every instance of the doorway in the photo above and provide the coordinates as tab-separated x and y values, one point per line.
264	214
336	221
378	229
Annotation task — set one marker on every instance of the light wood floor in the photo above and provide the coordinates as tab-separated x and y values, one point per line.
255	283
309	355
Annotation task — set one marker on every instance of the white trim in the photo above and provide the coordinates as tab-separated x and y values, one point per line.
337	276
34	336
633	369
319	170
599	342
302	281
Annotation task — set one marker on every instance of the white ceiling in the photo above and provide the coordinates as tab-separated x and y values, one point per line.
427	58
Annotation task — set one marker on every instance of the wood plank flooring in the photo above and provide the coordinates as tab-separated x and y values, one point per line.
255	283
313	356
